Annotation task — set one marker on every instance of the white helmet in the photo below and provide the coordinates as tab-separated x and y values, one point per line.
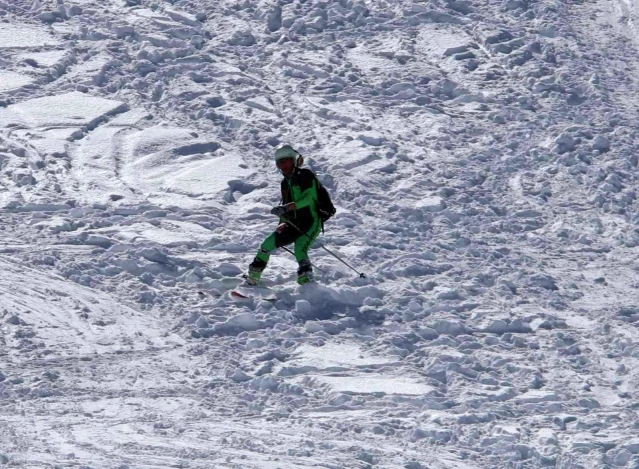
285	151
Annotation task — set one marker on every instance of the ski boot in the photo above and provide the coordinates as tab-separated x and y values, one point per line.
255	272
305	272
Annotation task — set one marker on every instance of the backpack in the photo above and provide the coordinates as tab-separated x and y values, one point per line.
325	207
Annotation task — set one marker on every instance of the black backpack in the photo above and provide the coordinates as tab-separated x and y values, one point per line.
325	207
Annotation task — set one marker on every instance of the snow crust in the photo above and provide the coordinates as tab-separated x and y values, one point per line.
483	160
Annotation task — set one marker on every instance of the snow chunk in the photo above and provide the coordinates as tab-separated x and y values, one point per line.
49	16
435	435
449	88
242	38
502	326
245	321
182	17
544	281
216	101
374	140
528	213
535	396
440	43
260	103
632	446
488	36
239	376
450	327
71	109
325	301
238	323
228	270
303	308
94	240
274	19
589	403
564	143
58	225
601	143
622	458
427	333
433	203
144	67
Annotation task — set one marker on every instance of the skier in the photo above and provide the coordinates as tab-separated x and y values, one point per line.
299	219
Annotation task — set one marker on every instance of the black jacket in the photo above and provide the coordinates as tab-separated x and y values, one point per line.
301	188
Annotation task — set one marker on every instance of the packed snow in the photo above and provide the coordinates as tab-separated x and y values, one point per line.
483	160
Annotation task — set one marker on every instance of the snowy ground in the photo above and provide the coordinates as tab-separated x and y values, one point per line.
483	159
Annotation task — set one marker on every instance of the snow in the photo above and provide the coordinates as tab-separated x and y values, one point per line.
341	355
68	320
211	176
170	233
51	141
483	160
20	35
10	81
383	384
69	109
46	58
91	72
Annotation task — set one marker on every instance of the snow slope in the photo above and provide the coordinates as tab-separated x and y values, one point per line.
483	160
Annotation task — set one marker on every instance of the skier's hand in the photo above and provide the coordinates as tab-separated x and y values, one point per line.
279	210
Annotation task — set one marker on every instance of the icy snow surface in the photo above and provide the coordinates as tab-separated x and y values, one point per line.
483	159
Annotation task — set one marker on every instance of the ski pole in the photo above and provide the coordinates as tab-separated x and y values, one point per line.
288	220
314	266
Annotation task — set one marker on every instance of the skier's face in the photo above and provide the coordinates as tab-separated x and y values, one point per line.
286	166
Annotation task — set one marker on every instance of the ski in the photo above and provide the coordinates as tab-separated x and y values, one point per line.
204	294
247	292
221	285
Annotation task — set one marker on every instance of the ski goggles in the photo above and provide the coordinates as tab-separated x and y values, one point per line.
284	162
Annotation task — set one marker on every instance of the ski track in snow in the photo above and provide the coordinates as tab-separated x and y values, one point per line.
483	160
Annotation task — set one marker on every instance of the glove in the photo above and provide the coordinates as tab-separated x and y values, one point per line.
279	210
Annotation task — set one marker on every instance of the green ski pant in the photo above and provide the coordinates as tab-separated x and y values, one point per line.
287	234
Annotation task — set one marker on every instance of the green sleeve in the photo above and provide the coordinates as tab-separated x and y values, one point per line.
309	197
